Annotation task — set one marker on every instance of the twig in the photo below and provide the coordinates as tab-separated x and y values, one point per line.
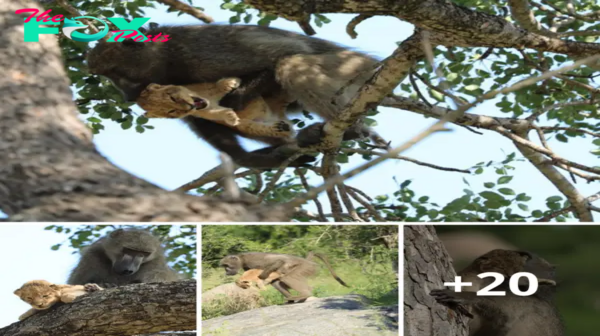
259	184
329	171
570	129
365	204
307	188
231	189
277	176
403	158
212	175
306	27
73	11
361	193
411	78
180	6
351	27
348	202
543	150
322	234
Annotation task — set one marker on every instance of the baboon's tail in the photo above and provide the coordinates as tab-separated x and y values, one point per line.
324	259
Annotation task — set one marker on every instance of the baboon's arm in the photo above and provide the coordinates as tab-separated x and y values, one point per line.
253	86
276	265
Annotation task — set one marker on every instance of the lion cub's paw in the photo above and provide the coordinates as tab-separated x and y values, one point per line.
282	127
231	118
229	84
92	287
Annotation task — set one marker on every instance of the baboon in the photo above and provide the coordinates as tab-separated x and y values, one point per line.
509	315
267	60
124	256
294	271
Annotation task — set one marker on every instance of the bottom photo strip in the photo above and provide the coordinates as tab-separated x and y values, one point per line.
280	280
501	280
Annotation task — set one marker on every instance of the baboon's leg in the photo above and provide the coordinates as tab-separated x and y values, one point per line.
283	289
298	284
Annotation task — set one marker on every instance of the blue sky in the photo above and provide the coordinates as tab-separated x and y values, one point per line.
171	155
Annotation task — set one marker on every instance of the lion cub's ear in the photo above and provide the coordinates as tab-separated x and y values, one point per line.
18	292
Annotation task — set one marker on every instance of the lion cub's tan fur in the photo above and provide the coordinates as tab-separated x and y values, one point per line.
251	276
262	117
41	294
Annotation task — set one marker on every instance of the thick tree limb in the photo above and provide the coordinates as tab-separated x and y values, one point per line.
50	170
122	311
460	26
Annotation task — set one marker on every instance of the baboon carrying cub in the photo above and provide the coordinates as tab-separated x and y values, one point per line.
293	271
509	315
268	61
123	257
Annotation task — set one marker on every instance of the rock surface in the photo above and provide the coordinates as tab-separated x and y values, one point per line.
348	315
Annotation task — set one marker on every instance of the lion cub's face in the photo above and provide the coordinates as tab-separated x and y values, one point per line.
39	294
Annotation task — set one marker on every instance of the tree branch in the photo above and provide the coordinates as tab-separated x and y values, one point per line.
122	311
50	170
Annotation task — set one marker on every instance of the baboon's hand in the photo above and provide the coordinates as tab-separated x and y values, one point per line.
236	100
453	300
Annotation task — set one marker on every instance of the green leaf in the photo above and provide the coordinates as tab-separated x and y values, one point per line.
553	199
523	207
504	179
491	196
506	191
489	184
342	158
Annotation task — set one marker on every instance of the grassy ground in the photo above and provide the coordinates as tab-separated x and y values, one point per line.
376	282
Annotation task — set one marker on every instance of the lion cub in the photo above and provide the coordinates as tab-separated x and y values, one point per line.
41	294
250	276
262	117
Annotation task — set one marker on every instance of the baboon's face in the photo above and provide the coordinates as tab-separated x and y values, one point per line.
124	64
231	265
129	261
128	250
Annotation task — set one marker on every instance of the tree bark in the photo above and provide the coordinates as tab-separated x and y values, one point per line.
128	310
50	170
427	266
461	26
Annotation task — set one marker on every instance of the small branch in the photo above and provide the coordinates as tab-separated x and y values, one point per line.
403	158
73	11
370	209
306	27
522	141
180	6
307	188
232	190
351	27
277	176
348	203
328	171
570	129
